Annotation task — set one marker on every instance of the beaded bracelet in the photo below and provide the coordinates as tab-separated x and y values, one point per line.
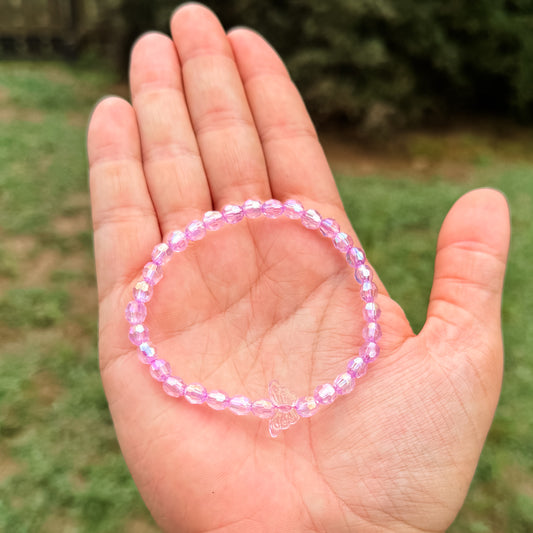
282	408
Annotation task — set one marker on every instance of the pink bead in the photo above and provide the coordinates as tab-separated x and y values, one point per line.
135	312
143	291
293	209
272	208
147	354
311	219
355	256
343	242
213	220
357	367
138	334
160	370
362	274
372	332
371	312
195	231
329	227
369	291
325	394
217	400
252	208
152	273
174	386
263	409
195	393
307	406
177	241
232	213
344	383
161	254
240	405
369	351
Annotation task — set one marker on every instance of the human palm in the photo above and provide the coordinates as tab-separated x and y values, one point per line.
215	120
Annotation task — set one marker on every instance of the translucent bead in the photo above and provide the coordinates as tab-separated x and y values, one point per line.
152	273
372	332
161	254
213	220
311	219
357	367
177	241
195	393
147	353
160	370
263	409
342	241
344	383
369	291
217	400
363	273
369	351
293	209
240	405
371	312
355	256
138	334
135	312
325	394
232	213
143	291
307	406
195	231
252	208
329	227
272	208
174	386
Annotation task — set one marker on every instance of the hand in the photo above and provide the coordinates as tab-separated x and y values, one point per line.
215	119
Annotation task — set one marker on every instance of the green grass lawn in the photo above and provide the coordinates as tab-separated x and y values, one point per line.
60	466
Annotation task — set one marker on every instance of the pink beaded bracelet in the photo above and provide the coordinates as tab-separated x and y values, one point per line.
282	408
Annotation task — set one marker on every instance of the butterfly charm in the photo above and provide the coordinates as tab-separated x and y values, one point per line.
285	415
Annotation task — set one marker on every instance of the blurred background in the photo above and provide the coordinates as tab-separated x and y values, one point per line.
415	102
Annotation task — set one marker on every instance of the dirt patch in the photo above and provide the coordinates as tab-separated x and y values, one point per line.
12	113
8	466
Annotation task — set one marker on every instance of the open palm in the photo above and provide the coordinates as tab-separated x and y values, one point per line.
216	120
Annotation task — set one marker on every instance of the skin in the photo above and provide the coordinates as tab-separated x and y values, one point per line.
215	119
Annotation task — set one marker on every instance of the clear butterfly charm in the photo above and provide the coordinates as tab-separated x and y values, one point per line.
285	415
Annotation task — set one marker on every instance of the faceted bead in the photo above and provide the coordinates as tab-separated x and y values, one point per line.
161	254
329	227
371	312
195	393
363	273
272	208
342	241
369	291
357	367
160	370
311	219
252	208
213	220
177	240
152	273
240	405
143	291
263	409
195	231
344	383
325	394
369	351
293	209
139	334
232	213
217	400
372	332
174	386
147	353
307	406
135	312
355	256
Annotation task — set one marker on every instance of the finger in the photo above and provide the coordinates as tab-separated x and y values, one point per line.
224	126
125	224
171	158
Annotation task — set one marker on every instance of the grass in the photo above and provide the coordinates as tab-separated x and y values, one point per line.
60	466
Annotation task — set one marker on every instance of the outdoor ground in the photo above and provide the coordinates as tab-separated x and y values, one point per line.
60	466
